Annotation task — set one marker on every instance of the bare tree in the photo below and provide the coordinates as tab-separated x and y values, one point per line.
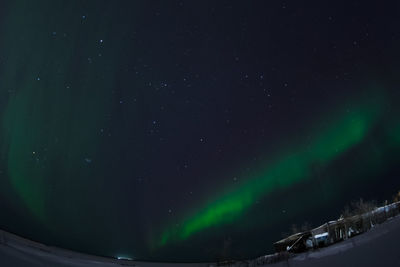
306	226
347	212
396	197
360	206
294	229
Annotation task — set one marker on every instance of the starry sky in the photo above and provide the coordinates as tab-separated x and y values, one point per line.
193	130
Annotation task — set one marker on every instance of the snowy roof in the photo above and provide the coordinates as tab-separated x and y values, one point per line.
321	235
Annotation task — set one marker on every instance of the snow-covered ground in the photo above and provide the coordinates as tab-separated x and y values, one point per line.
19	252
377	247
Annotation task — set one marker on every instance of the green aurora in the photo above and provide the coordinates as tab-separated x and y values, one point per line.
290	167
60	104
52	112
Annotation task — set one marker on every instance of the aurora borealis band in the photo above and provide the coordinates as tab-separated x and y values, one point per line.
339	136
192	130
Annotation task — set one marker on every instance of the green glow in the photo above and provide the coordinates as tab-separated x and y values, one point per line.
55	104
288	168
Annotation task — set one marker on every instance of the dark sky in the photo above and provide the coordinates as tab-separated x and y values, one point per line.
193	130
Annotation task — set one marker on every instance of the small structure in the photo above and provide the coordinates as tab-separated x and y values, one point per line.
322	240
295	243
335	231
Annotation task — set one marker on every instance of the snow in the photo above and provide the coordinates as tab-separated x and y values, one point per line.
323	235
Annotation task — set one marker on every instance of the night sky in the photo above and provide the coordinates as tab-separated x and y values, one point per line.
193	130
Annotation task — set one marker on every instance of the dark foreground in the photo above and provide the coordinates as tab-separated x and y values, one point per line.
377	247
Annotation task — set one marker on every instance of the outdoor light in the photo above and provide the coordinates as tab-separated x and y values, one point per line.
124	258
